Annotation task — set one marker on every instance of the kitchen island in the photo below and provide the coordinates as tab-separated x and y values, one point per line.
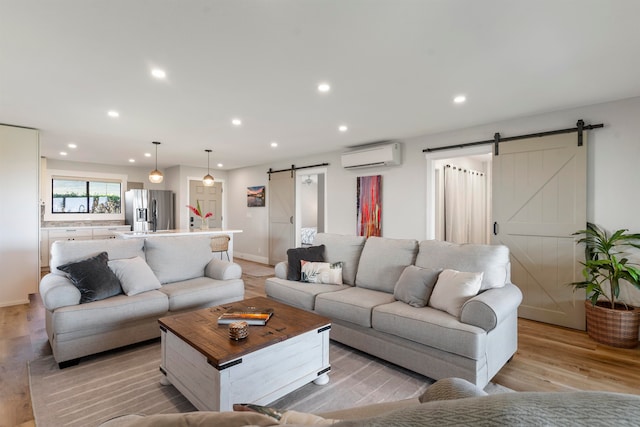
181	232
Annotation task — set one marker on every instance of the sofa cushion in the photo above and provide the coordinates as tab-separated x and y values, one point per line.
352	304
345	249
135	275
296	255
202	292
321	272
66	251
453	289
492	260
298	294
431	327
109	313
383	261
178	258
93	278
415	285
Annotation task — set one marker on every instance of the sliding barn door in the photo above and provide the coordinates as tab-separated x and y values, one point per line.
281	215
539	194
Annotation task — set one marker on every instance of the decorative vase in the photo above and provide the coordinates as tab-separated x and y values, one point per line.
204	224
615	327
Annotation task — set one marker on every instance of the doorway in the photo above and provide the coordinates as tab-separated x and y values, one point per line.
310	205
210	200
477	159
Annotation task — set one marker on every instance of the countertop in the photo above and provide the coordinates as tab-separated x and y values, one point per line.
160	233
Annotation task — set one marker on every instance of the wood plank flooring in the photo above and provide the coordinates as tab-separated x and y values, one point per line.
549	358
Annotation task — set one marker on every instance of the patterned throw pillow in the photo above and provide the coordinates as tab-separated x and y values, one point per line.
295	255
321	272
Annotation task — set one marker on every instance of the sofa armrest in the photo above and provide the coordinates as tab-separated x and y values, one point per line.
57	291
281	270
489	308
223	270
450	389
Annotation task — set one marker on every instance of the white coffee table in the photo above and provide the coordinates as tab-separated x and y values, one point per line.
214	372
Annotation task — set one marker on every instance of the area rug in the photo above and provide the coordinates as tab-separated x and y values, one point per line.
128	381
255	270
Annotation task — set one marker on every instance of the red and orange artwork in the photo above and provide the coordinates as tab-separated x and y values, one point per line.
369	205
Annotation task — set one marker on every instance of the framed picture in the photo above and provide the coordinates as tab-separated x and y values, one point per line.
256	196
369	205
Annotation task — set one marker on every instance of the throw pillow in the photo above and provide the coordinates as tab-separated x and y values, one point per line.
135	275
453	289
415	285
321	272
93	278
311	253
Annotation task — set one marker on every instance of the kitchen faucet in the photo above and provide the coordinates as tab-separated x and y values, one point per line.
154	215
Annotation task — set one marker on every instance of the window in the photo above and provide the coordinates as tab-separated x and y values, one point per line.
80	196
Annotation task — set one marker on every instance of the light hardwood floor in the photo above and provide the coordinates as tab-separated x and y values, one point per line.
549	358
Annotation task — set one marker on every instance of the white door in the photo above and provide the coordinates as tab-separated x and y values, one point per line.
539	196
210	199
281	215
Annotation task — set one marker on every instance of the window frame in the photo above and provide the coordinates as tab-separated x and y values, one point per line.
47	200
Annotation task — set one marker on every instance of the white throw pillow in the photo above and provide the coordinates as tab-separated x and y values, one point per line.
321	272
135	275
453	289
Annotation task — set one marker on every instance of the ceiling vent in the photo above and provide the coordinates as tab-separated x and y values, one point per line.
370	156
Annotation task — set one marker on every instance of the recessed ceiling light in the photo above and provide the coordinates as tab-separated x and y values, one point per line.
324	87
132	160
63	153
147	154
113	113
459	99
158	73
72	145
236	122
343	128
220	165
274	144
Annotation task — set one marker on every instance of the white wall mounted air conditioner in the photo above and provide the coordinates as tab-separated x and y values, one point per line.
370	156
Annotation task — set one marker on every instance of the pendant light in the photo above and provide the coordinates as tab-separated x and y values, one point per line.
208	179
156	176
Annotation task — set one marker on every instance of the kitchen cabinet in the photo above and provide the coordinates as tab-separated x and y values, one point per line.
50	235
19	213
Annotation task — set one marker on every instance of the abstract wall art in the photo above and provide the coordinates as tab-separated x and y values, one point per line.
369	205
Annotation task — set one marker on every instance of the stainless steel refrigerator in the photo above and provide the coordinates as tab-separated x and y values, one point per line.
149	210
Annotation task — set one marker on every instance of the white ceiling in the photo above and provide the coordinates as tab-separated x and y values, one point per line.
394	67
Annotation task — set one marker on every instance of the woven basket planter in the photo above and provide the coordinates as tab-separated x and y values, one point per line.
617	328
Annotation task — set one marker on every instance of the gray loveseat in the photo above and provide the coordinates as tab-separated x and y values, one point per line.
448	402
187	277
366	315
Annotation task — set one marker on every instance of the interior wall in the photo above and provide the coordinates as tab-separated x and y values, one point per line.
612	175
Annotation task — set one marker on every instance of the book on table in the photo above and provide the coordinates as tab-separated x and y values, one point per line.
251	315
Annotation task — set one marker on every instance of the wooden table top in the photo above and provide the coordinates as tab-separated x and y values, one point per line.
200	329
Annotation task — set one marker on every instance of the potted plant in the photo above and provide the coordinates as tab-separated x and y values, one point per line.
204	223
609	320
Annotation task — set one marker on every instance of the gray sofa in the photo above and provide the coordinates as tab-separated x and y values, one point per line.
188	278
448	402
366	315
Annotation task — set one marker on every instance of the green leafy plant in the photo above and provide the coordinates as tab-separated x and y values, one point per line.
605	264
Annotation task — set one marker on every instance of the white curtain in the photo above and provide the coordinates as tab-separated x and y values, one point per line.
465	206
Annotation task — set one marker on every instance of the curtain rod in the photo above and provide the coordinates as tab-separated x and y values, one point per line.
580	127
295	168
